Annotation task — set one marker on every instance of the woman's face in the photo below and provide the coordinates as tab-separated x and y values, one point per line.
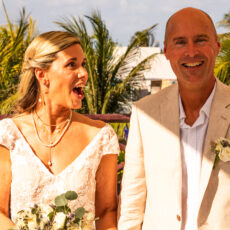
67	76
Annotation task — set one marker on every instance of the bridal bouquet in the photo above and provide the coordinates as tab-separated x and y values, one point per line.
55	217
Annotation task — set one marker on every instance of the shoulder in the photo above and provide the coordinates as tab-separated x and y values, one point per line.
5	124
222	94
154	100
87	126
22	119
86	121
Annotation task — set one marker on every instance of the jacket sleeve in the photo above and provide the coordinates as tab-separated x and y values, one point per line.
133	194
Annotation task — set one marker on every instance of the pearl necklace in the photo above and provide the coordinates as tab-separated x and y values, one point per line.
51	145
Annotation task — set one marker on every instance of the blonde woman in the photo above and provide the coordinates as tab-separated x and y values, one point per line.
48	149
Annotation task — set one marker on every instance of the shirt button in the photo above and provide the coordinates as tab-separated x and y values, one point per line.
178	217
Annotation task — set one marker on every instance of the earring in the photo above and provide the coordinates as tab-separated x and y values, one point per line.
39	100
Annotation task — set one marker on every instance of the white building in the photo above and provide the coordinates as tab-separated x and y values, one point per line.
159	74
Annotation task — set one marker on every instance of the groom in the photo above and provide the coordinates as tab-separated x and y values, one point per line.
169	182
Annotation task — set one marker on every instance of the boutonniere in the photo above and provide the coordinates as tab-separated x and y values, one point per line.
221	148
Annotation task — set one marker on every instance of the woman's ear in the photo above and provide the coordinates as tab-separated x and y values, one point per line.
41	77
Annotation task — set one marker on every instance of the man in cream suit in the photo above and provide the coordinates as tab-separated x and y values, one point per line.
169	182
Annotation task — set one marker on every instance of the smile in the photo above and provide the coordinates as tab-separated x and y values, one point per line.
194	64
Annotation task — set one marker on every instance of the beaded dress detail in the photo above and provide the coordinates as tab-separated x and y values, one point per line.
32	183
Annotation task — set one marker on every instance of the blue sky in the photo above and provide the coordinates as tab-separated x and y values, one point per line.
122	17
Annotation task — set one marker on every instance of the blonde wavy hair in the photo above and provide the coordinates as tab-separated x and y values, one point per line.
40	54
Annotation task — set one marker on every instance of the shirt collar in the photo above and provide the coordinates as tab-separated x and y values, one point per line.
205	108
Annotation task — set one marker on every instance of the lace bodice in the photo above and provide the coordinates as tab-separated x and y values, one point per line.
32	183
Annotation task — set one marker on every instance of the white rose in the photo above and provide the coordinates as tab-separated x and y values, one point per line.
45	210
75	227
89	216
32	223
218	147
59	220
224	154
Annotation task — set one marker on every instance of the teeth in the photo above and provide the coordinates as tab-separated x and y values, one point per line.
192	64
79	86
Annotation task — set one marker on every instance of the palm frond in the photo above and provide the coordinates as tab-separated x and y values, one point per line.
222	67
105	87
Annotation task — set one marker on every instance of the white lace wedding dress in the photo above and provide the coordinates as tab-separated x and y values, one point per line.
32	183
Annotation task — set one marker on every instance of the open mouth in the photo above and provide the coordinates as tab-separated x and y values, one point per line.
192	65
78	91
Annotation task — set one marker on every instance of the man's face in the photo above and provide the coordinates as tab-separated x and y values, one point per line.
191	46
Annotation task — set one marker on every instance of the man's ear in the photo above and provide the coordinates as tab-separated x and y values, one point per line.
41	76
219	46
165	50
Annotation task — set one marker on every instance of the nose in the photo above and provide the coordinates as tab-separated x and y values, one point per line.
191	49
82	73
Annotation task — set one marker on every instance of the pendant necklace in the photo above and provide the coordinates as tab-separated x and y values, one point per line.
54	143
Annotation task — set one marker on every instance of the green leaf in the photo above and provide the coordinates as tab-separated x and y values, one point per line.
79	213
61	200
76	220
60	209
33	211
51	215
71	195
217	159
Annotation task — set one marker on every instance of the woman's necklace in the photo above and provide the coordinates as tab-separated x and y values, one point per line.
51	144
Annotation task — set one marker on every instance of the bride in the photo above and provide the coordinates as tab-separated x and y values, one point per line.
47	149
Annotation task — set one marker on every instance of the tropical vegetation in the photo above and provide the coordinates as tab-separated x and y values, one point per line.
222	68
14	39
112	80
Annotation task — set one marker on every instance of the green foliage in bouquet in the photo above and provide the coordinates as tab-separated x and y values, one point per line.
55	217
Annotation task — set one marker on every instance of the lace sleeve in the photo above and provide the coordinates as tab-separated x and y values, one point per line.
110	141
7	137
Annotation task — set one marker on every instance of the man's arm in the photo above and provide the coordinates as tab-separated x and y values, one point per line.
133	194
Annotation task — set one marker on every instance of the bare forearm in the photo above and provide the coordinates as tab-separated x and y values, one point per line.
5	222
108	221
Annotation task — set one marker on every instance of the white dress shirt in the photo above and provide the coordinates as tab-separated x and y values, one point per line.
192	142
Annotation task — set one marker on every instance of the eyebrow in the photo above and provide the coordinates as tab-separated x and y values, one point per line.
202	36
178	38
72	59
197	36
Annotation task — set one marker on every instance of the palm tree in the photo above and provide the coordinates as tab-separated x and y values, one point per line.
106	92
222	68
225	22
14	39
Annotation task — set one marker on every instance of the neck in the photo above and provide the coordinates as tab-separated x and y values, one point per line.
52	117
193	100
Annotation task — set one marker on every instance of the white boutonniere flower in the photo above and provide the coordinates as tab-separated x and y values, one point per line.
221	148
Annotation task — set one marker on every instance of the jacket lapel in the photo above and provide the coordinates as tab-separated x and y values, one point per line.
169	118
218	126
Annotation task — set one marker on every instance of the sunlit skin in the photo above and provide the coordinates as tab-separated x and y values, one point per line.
66	72
61	90
191	46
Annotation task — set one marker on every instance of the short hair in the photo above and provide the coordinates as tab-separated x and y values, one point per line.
40	54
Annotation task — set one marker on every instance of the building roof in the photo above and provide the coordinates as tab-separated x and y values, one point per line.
160	68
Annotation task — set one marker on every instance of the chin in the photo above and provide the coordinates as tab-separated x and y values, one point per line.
76	106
